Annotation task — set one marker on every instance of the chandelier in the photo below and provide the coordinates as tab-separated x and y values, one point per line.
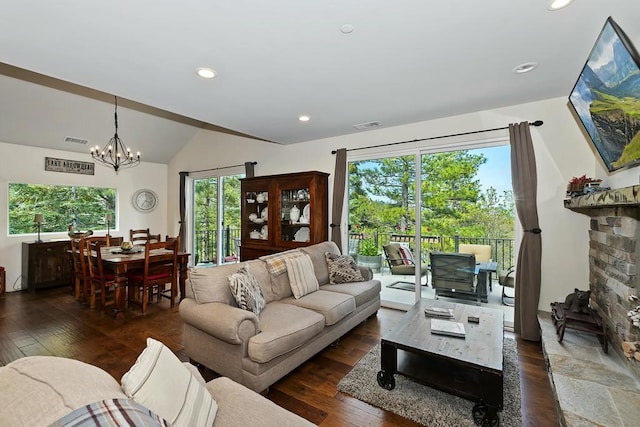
115	153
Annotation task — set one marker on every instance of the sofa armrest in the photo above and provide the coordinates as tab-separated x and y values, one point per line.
227	323
366	272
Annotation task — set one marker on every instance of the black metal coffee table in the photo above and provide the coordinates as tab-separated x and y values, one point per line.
469	367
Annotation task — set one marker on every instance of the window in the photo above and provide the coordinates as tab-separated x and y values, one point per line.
83	207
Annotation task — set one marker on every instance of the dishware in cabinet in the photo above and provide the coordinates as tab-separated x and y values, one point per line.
297	212
255	213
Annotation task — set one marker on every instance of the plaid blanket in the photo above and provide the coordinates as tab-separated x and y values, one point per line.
111	413
276	264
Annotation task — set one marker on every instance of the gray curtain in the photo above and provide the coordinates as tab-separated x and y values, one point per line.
339	185
248	169
183	204
525	187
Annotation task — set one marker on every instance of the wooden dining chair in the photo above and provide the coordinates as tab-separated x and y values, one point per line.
80	272
156	274
139	237
100	281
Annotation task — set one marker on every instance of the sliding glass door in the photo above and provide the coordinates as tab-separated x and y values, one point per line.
464	197
215	219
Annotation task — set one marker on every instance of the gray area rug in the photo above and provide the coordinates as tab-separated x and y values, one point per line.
426	405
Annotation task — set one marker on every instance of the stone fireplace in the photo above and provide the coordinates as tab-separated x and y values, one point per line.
614	254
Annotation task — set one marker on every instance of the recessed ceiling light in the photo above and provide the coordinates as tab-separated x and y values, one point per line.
346	28
558	4
524	68
206	73
304	118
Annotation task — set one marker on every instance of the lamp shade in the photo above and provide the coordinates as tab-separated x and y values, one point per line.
108	217
38	218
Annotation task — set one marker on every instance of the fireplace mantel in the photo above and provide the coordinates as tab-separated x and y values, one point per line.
591	203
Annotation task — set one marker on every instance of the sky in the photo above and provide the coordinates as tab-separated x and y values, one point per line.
496	172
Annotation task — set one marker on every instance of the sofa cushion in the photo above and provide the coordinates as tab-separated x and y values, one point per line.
317	254
246	290
362	292
111	412
240	406
302	278
342	269
333	306
210	284
284	327
38	390
159	381
277	268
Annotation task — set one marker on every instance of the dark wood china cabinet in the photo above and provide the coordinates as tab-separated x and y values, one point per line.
281	212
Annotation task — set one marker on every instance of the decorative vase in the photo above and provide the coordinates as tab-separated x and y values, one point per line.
294	214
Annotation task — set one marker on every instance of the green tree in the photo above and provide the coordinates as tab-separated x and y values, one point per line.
82	207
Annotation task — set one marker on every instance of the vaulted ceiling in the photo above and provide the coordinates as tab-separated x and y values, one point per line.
342	63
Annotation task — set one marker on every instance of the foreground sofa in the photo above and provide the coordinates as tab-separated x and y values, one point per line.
46	390
258	350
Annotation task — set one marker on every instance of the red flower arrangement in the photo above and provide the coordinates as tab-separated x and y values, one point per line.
576	184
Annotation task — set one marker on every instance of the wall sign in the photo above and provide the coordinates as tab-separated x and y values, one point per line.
69	166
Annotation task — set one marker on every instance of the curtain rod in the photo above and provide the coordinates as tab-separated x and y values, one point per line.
536	123
223	167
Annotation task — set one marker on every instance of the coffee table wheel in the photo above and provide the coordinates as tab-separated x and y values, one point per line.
485	416
386	380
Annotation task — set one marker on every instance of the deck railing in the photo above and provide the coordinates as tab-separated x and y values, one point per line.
502	249
206	245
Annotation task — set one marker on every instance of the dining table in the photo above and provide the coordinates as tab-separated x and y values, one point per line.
119	261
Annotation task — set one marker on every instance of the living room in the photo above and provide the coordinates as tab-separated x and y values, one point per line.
561	148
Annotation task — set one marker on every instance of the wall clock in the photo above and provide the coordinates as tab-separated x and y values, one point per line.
145	200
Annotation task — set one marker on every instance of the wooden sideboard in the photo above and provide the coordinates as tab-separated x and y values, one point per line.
46	264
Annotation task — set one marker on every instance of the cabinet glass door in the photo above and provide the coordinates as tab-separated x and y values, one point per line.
295	212
257	214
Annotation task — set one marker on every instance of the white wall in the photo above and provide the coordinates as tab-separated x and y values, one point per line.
562	152
23	164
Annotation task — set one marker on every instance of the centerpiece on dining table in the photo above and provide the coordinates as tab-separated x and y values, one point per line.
126	246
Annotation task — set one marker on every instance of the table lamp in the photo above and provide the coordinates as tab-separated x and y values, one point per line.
108	218
38	220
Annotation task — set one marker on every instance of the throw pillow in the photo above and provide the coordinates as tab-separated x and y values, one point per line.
246	290
159	382
342	269
112	412
276	262
302	277
406	255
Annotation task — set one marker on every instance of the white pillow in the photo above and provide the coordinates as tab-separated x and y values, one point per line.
160	382
302	277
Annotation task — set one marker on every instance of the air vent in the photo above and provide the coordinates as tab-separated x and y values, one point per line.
73	140
369	125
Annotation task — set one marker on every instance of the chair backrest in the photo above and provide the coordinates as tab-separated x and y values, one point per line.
139	237
481	252
155	238
114	240
451	270
166	270
94	257
79	257
393	255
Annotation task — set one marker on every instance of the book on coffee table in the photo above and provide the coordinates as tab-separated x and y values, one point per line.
447	327
439	312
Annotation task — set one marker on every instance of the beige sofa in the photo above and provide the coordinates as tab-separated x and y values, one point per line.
39	390
257	351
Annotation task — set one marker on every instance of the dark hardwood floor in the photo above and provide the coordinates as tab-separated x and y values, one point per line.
51	322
